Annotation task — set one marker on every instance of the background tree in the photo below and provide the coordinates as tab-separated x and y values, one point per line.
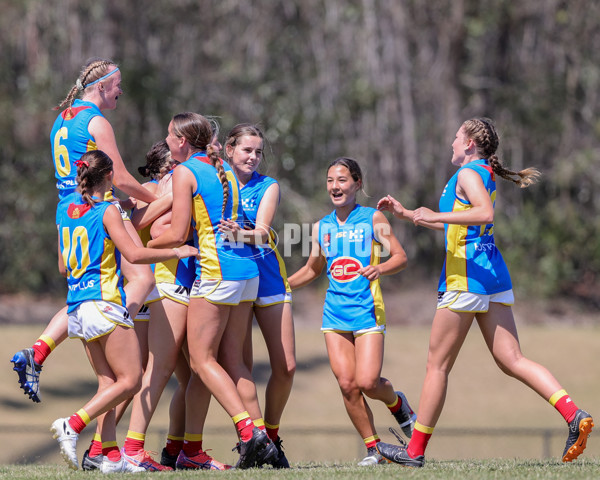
383	81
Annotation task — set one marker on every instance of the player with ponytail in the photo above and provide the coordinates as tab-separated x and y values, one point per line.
91	234
81	127
205	191
475	285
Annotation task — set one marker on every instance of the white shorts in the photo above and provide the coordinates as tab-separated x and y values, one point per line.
226	292
358	333
143	315
459	301
94	319
273	300
177	293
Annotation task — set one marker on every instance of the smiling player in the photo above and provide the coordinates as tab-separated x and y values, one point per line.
349	241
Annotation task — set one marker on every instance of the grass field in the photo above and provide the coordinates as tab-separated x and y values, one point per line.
447	470
487	415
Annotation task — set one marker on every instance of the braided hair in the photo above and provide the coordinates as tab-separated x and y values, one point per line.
199	133
483	132
92	168
95	69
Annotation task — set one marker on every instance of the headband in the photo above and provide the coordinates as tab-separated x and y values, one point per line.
102	78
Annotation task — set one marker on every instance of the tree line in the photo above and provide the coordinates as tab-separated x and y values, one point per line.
386	82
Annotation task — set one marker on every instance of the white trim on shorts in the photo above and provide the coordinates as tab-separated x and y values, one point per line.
95	318
273	299
143	314
357	333
459	301
225	292
177	293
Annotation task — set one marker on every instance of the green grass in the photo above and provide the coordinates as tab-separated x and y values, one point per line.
447	470
487	414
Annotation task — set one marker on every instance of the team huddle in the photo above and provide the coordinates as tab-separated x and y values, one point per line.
169	282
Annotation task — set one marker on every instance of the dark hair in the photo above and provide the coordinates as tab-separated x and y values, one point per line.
483	132
158	161
94	69
92	169
354	169
199	131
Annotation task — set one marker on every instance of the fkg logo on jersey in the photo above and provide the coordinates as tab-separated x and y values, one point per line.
345	269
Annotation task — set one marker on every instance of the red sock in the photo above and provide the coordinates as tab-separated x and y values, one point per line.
192	444
244	426
77	422
419	440
394	407
111	451
134	442
42	348
563	403
272	431
174	445
95	446
371	441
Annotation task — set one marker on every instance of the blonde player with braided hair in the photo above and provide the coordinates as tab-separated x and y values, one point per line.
205	191
475	285
79	128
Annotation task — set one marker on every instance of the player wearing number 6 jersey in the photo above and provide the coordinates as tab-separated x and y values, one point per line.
92	237
349	242
80	128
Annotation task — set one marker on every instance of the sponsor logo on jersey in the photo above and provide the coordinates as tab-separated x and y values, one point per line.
345	269
326	239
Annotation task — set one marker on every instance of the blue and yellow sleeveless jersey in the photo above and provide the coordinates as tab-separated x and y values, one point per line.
271	268
70	139
92	261
473	262
220	259
352	302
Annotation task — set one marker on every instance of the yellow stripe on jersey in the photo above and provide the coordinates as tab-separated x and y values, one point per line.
281	263
376	287
91	145
456	253
108	274
235	193
166	272
207	246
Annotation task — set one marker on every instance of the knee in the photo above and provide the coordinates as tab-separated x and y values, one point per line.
508	364
348	387
285	372
368	386
131	384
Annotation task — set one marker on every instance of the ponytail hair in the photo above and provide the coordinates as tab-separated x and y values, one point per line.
199	132
483	132
92	169
94	71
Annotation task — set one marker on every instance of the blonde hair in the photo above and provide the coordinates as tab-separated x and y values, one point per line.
483	132
94	70
199	132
